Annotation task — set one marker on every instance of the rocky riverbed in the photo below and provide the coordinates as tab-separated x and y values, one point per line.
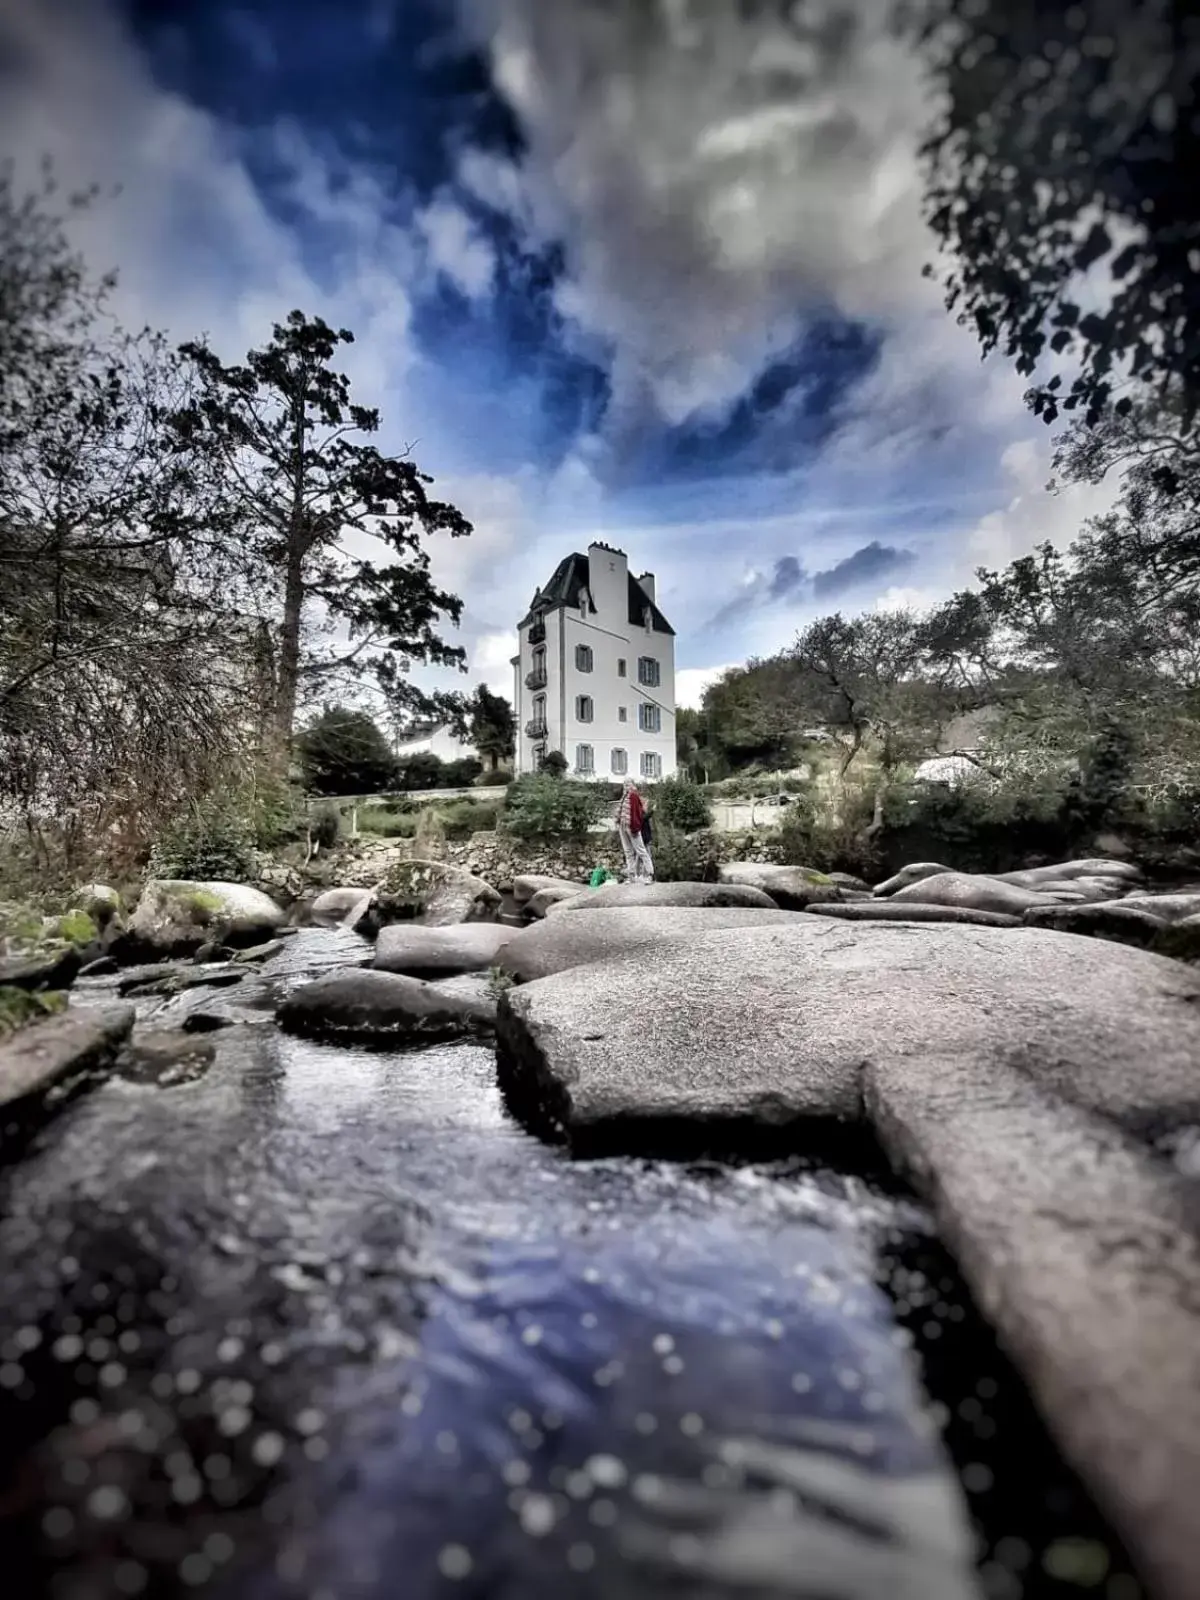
320	1291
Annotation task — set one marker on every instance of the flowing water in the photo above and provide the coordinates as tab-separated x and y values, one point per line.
325	1323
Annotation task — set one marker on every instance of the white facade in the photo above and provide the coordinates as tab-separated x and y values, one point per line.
595	676
439	742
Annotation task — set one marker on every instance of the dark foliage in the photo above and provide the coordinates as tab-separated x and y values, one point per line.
1069	144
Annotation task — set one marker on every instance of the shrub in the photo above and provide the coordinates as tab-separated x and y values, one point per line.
682	805
554	765
213	840
499	779
815	834
277	811
544	807
325	826
461	774
462	818
684	857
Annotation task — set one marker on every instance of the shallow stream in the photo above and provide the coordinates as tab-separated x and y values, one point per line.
326	1323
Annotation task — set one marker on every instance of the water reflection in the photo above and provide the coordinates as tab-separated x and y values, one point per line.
325	1323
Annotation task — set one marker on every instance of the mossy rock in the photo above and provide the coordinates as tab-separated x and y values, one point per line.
203	905
77	928
20	1007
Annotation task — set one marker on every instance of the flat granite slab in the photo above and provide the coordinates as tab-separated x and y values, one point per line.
767	1025
1080	1249
1024	1079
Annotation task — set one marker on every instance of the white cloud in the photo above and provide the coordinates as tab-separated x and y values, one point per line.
491	662
1033	515
714	174
691	682
457	248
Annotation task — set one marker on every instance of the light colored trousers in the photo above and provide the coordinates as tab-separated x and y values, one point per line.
637	858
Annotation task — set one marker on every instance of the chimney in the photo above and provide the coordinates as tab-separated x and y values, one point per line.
647	582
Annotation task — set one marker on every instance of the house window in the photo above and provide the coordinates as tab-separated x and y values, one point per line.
622	713
651	764
621	667
539	708
649	672
649	718
584	709
620	762
583	658
584	758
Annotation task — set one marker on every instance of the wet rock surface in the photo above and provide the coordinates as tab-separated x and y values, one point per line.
441	952
371	1005
47	970
49	1058
321	1316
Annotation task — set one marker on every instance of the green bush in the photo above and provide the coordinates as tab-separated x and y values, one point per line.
277	812
462	818
555	764
812	835
682	805
499	779
213	840
543	807
684	857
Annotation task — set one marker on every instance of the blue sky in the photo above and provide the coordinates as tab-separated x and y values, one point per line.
652	277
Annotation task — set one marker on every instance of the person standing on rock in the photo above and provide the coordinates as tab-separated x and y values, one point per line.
631	818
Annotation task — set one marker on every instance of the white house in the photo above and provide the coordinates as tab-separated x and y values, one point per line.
595	677
434	741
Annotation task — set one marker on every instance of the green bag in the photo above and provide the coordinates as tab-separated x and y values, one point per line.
599	877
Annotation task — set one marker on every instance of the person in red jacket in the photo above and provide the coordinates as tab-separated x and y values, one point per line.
631	817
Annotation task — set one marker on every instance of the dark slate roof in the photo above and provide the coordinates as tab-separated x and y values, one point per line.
566	587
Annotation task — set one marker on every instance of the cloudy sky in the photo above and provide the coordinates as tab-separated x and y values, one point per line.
647	270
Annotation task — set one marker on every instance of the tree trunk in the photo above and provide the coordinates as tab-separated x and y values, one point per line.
288	680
